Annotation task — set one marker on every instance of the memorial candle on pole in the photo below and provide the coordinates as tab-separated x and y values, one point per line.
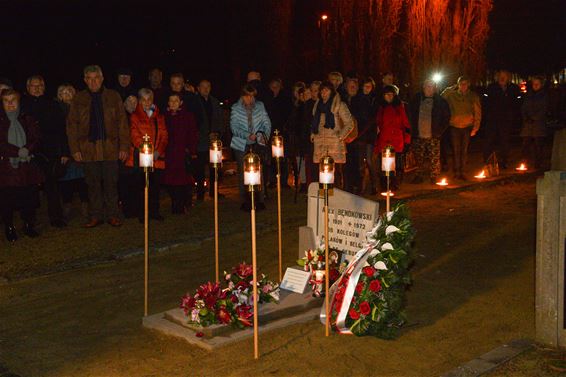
277	152
252	179
216	161
146	162
388	166
326	181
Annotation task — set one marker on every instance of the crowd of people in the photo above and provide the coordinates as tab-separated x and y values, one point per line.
87	142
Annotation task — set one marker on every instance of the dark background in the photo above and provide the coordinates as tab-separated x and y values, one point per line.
222	39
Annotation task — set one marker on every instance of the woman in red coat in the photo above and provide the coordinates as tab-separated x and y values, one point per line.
147	120
182	147
393	129
19	176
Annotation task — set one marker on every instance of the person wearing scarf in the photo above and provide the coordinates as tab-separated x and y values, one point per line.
19	139
331	125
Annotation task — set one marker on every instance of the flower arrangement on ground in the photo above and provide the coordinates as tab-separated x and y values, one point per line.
369	297
314	262
233	305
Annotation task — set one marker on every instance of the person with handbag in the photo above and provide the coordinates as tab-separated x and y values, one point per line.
183	136
19	186
332	127
251	129
394	130
147	120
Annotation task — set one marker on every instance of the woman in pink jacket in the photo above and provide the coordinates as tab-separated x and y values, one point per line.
393	129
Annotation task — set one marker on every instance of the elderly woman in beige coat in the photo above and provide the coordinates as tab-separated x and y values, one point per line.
332	126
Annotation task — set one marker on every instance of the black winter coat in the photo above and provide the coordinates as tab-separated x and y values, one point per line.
52	125
440	115
502	108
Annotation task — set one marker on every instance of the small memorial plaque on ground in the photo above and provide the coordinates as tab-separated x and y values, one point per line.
295	280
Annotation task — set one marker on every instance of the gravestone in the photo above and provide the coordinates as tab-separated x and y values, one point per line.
550	299
558	161
350	217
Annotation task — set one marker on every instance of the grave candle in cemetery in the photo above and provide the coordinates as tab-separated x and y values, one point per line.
442	182
146	162
252	178
521	167
277	152
326	180
481	175
388	165
326	171
216	161
146	153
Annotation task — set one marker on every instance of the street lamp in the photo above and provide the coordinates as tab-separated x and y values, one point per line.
326	182
215	154
146	162
278	152
252	178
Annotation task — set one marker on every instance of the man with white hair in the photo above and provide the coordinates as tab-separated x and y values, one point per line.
99	136
54	150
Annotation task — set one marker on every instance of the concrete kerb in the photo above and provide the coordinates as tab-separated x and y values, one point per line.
491	360
164	247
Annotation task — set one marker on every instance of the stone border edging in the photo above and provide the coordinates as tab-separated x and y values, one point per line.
492	359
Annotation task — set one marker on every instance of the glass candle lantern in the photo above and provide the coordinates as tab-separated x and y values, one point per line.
146	153
252	170
326	171
277	149
215	152
388	159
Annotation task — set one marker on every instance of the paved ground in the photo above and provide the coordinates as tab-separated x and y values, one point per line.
472	292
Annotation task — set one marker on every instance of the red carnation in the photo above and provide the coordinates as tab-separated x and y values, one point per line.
375	285
365	308
353	314
359	287
369	271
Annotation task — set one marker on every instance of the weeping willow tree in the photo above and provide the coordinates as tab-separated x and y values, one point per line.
446	35
408	37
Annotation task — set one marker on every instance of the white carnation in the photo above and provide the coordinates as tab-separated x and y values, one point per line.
380	266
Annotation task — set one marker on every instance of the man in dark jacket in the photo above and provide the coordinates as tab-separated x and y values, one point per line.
278	106
429	115
502	112
54	150
360	108
99	136
124	85
212	122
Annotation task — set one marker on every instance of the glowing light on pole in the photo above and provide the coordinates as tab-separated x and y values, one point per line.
215	154
326	182
252	178
277	152
146	162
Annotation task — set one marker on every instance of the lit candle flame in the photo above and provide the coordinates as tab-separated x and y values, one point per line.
522	167
442	182
481	175
390	193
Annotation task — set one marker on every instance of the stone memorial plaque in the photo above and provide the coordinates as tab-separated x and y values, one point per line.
295	280
350	218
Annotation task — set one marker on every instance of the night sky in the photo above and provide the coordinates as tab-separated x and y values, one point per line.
220	39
